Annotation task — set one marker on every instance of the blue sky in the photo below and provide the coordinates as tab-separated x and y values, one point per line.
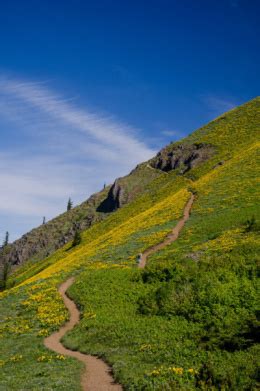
89	89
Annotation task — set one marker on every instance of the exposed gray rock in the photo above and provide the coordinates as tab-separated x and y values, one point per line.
44	240
182	157
114	200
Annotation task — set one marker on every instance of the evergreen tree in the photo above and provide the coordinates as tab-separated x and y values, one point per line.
6	240
43	220
69	205
4	275
77	238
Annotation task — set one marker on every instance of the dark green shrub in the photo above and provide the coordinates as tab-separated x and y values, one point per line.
77	239
159	273
6	268
251	225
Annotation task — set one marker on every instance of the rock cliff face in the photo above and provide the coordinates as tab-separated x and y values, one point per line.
38	244
115	198
182	157
44	240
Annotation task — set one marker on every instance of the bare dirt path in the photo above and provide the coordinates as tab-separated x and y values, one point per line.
97	375
171	237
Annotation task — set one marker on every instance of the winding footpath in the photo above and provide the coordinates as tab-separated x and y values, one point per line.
97	375
169	238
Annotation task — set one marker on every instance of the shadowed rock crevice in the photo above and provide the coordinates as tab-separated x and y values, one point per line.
114	200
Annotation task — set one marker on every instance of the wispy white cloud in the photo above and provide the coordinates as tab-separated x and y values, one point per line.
218	105
66	150
106	130
172	133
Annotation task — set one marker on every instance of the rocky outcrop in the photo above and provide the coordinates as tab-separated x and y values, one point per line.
114	200
38	244
182	157
44	240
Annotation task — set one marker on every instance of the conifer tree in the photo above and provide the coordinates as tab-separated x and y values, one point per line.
77	238
4	275
6	240
69	205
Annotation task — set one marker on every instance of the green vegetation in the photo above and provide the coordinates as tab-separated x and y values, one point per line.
195	306
5	267
44	240
77	239
24	363
6	239
189	319
69	205
4	274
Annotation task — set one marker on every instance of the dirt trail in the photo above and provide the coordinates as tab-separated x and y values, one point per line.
97	376
171	237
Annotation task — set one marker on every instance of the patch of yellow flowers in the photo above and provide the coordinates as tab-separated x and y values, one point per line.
13	359
41	289
145	347
11	326
49	358
172	370
169	209
227	241
49	307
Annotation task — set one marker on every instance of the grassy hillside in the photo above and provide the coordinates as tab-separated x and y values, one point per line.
188	321
192	157
44	240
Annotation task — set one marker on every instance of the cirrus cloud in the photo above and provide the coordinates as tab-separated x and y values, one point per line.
62	149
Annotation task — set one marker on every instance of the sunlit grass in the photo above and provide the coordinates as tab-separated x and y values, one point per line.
153	338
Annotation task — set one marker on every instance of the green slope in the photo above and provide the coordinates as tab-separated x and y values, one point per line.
195	305
220	139
188	321
44	240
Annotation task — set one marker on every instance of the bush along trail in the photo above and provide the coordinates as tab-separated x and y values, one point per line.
97	376
171	237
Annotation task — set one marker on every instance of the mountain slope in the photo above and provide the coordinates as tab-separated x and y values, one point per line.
195	155
44	240
188	321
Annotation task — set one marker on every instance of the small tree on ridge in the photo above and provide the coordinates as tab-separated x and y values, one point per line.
6	239
69	205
